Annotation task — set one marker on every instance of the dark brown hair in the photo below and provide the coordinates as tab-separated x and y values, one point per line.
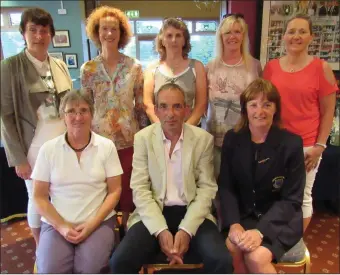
37	16
269	91
177	24
300	16
92	25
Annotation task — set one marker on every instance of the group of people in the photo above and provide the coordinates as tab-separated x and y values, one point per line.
85	154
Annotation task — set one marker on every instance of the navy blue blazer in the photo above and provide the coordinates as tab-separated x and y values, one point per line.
274	194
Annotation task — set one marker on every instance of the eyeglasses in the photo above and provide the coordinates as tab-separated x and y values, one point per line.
73	113
236	15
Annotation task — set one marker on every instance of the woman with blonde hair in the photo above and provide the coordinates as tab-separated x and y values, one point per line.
115	82
228	75
174	66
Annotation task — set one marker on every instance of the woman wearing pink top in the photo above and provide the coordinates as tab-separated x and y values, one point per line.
307	87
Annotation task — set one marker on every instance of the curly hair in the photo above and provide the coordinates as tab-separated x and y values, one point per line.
177	24
92	25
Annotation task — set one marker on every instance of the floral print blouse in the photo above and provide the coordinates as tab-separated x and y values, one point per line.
118	99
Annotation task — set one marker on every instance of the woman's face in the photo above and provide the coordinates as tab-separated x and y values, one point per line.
297	36
37	37
77	116
233	38
109	32
260	112
173	39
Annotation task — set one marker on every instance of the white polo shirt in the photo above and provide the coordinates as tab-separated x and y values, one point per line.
77	189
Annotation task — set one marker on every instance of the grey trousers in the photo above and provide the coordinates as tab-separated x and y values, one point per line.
56	255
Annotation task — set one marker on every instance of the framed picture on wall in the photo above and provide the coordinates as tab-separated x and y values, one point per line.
58	55
61	39
71	60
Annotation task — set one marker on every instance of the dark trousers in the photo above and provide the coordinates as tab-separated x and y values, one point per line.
139	247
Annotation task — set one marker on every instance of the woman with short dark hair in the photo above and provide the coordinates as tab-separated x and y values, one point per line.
32	84
261	183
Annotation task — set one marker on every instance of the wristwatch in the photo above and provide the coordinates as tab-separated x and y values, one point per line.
320	144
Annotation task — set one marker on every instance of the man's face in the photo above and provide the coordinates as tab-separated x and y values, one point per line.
171	110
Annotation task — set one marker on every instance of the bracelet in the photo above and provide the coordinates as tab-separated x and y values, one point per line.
321	144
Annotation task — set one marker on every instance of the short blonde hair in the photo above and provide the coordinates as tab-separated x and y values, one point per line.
92	25
224	27
177	24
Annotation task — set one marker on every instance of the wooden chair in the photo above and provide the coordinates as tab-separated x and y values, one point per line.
165	268
297	256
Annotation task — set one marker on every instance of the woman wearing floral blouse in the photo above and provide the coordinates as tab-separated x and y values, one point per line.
115	82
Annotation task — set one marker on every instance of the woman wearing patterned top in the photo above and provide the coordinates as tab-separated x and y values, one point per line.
228	74
173	46
32	84
115	82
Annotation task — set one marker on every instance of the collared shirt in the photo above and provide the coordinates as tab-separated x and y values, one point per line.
77	189
42	66
174	183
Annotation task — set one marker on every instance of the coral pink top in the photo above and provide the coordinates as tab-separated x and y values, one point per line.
300	92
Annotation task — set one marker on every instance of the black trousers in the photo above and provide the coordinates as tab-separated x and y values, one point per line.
13	193
139	247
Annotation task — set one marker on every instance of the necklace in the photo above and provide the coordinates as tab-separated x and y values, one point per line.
74	149
231	66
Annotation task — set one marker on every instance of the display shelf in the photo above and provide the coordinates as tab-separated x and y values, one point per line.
326	42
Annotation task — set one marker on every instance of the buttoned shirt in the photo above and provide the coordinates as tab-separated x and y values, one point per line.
174	183
174	175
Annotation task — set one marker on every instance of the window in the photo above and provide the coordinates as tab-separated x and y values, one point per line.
12	41
142	45
15	18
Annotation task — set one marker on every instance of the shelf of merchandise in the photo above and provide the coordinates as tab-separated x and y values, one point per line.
326	42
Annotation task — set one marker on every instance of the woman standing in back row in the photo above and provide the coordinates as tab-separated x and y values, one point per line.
307	88
229	74
115	82
32	85
174	66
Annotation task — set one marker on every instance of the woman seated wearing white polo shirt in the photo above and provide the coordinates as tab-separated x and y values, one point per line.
80	171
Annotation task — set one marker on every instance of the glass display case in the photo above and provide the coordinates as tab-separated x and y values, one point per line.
325	17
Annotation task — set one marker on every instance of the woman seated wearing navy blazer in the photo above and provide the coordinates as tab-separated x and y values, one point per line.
261	183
